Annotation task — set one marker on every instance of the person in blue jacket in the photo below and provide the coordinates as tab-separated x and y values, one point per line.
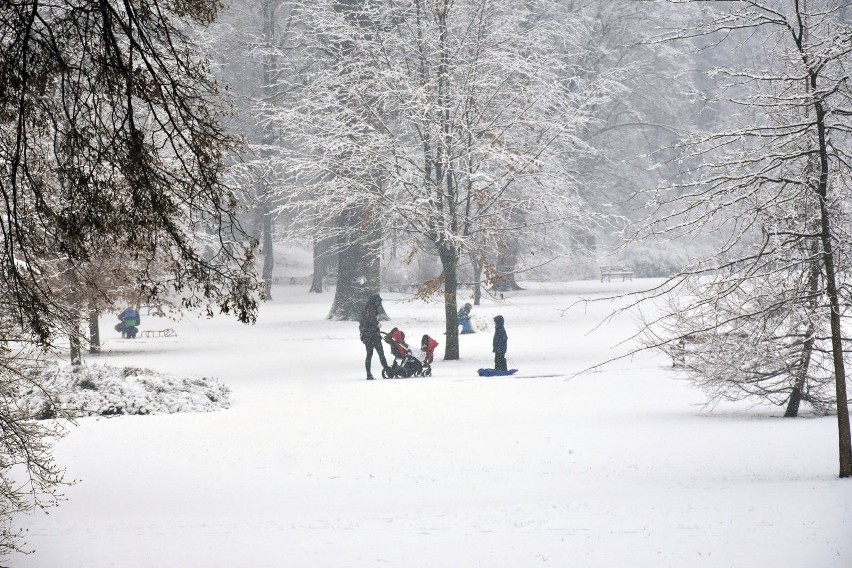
464	319
128	321
500	343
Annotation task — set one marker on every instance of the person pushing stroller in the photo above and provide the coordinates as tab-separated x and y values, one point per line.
370	332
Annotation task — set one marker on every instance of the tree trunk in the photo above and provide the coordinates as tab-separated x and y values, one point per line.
269	90
505	281
808	345
796	395
373	258
323	253
74	335
357	269
449	262
75	343
507	261
844	437
792	410
793	404
477	279
94	332
268	248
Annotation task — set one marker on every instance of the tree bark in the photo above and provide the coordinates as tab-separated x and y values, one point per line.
94	332
795	400
792	410
844	437
269	90
507	262
74	336
449	262
508	252
323	253
477	279
268	247
357	265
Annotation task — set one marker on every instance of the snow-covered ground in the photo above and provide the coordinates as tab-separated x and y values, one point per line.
312	466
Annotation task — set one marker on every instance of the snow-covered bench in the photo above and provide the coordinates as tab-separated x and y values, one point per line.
608	271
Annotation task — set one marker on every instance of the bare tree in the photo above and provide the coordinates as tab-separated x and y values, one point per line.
29	476
251	43
764	316
110	140
439	119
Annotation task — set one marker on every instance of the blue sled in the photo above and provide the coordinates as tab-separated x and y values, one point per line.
495	372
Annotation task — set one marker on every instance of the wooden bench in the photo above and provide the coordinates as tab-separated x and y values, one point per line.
607	272
168	332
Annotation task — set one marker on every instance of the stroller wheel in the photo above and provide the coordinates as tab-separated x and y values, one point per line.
386	374
427	372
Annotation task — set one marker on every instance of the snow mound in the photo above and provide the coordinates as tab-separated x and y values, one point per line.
480	322
103	390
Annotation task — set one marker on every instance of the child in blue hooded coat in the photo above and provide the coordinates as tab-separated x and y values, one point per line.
500	343
464	319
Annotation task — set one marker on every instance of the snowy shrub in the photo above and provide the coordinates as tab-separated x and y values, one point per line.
570	267
658	259
102	390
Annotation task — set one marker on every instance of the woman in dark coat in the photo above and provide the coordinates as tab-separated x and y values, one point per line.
368	325
500	343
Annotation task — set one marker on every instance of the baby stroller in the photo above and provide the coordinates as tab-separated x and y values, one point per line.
408	361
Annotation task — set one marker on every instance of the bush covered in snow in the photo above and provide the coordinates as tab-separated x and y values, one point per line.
657	260
102	390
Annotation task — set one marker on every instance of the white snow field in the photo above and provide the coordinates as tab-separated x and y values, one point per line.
313	467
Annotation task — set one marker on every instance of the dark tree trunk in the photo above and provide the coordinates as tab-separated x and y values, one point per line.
94	332
844	437
75	339
449	262
506	265
323	256
268	251
792	410
793	404
357	265
477	279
